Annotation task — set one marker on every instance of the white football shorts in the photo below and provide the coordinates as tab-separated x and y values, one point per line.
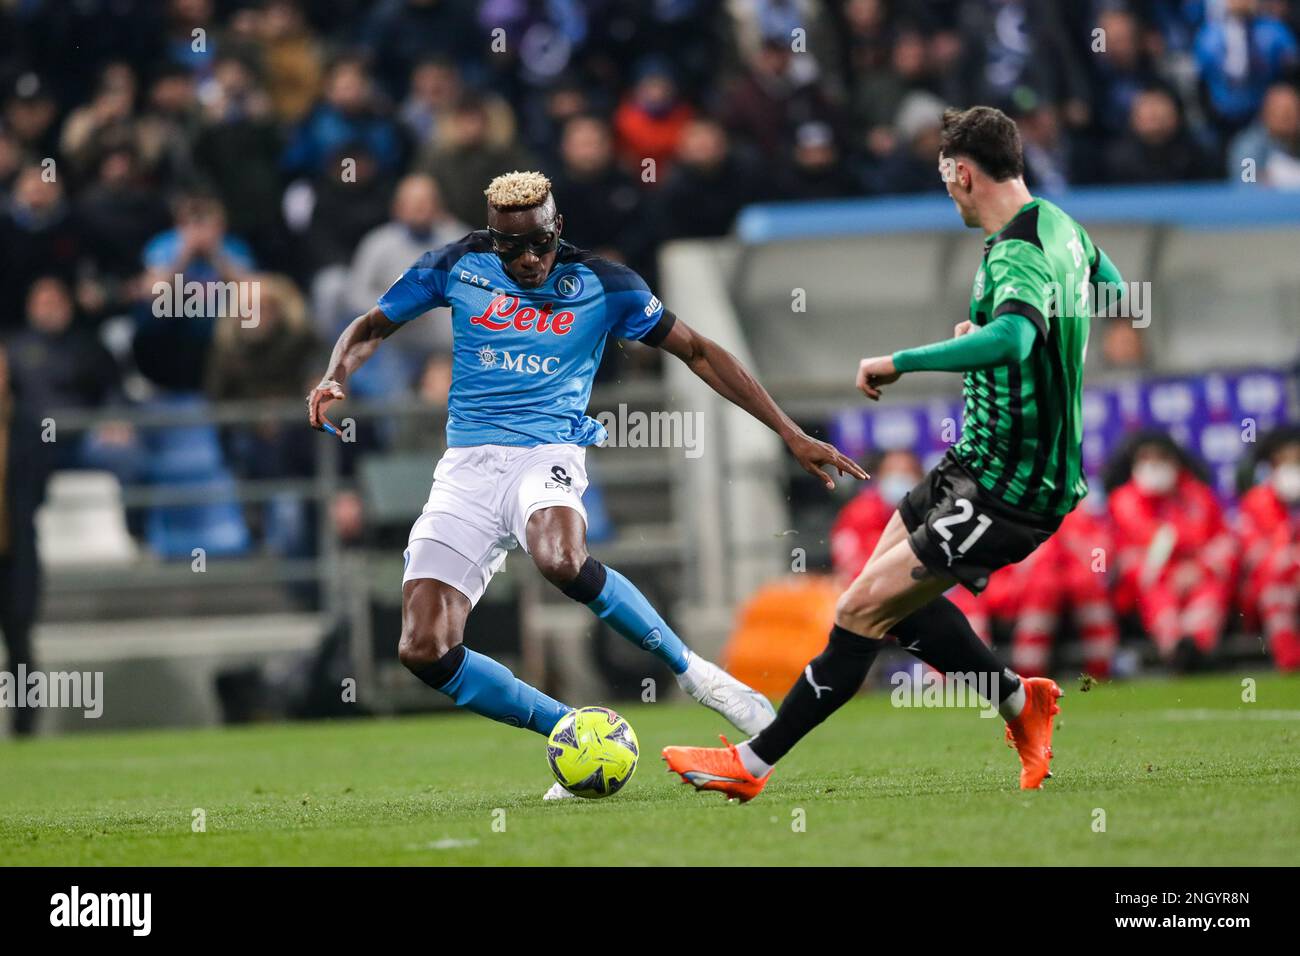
479	506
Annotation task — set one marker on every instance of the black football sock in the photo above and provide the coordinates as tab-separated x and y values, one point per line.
829	680
939	634
437	673
586	587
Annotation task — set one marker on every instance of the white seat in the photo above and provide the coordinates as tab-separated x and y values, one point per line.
83	521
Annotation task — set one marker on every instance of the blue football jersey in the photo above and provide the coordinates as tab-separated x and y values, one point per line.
524	359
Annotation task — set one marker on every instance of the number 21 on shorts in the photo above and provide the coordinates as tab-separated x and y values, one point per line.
965	511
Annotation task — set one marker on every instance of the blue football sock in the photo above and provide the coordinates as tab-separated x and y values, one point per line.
627	611
486	687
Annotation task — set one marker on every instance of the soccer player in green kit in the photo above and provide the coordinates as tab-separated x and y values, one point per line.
999	493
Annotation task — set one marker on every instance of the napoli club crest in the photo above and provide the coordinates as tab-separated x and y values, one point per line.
568	286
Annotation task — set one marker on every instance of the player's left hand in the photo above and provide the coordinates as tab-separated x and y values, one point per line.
318	399
813	454
874	374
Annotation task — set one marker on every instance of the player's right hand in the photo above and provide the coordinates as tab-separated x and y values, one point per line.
962	328
319	398
813	454
874	374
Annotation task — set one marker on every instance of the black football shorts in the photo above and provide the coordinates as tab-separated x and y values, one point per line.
959	530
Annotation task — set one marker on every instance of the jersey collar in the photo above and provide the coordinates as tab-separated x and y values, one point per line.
1019	212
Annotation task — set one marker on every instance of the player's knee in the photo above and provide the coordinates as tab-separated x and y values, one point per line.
560	562
861	611
425	644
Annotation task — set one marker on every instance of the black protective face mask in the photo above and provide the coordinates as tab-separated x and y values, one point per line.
510	246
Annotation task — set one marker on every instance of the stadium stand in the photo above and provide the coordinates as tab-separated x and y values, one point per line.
792	211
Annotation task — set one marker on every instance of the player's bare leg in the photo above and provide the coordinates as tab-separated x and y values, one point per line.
431	648
557	541
895	594
938	633
433	622
884	593
895	531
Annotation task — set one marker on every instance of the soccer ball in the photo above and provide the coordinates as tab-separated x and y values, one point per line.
592	752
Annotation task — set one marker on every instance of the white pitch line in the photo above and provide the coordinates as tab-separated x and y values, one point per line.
444	844
1206	713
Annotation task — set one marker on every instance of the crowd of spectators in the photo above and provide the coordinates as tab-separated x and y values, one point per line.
317	149
331	142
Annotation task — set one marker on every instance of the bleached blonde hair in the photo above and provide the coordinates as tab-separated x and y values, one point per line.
518	190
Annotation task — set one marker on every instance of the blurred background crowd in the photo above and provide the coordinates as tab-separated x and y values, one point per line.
330	143
319	148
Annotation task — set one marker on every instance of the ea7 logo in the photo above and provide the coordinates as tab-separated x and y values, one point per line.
561	480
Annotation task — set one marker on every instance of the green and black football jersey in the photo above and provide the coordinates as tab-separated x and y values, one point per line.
1023	429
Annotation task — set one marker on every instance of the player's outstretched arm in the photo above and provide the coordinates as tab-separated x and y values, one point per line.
356	344
726	376
1008	338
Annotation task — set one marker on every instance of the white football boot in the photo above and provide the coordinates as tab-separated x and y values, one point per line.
557	792
747	709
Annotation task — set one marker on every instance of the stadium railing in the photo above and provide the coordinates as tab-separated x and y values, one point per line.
252	606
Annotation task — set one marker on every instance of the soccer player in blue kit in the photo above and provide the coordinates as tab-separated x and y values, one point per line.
530	316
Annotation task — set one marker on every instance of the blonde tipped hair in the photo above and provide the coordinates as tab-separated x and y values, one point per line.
518	190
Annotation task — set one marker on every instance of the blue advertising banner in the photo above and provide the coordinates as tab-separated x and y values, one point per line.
1216	416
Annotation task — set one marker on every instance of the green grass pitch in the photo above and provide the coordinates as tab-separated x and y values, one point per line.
1184	771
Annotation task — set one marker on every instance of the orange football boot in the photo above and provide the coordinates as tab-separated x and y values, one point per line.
715	768
1031	732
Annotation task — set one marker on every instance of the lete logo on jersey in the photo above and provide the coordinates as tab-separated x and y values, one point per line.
504	311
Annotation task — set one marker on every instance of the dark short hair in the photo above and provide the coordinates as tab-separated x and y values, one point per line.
986	135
